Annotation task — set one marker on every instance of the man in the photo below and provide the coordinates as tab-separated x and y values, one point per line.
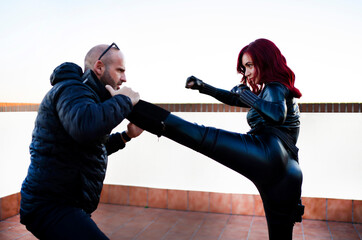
70	144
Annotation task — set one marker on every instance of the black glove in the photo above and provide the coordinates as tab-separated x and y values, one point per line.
238	89
194	83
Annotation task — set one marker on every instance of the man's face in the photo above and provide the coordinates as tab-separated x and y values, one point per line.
114	74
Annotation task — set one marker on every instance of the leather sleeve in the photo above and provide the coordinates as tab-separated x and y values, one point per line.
272	104
223	96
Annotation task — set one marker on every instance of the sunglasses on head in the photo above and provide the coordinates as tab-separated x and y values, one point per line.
107	49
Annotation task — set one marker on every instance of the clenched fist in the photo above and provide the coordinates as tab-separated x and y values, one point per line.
134	96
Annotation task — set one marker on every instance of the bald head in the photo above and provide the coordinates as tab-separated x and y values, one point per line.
95	52
110	69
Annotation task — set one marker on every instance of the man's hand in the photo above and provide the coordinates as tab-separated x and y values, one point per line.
134	96
133	131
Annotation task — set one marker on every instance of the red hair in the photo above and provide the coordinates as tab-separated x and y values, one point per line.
270	64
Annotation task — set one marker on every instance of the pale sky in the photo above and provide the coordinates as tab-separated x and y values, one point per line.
165	41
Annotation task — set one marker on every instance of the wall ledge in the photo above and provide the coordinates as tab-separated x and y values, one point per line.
211	107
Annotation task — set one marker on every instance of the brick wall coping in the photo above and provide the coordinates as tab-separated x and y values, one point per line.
211	107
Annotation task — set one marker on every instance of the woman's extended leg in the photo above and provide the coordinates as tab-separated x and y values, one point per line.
261	158
252	156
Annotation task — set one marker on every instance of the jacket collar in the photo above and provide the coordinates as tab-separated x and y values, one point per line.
91	80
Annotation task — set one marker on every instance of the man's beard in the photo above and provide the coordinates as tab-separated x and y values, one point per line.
108	80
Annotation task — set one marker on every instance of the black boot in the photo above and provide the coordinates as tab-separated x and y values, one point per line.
149	117
160	122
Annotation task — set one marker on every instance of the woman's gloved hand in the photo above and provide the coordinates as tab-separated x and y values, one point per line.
194	83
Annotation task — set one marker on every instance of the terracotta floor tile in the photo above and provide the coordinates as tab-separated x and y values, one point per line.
298	229
27	237
307	237
130	222
233	232
343	230
6	225
315	233
212	227
15	219
18	229
240	222
8	235
358	228
259	221
186	226
257	235
298	237
135	226
159	228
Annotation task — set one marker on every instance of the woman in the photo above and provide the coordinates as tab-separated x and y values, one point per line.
266	155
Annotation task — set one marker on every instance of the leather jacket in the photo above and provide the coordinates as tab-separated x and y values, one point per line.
275	107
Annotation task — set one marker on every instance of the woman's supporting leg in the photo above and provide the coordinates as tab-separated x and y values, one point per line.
282	202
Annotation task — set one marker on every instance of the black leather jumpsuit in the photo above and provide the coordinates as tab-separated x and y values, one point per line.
260	155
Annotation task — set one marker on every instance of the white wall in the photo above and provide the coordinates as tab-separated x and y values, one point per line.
15	137
329	145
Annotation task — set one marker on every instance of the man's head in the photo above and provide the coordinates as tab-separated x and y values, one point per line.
107	62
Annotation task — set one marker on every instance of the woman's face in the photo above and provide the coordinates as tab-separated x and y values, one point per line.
251	74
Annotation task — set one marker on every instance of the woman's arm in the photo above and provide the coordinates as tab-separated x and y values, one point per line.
223	96
271	105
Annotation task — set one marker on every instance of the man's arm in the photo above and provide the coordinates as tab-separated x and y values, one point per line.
118	141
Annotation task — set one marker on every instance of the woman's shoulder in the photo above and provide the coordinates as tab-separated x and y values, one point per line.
275	90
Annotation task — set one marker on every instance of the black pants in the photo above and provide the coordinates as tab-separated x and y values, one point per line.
261	158
64	223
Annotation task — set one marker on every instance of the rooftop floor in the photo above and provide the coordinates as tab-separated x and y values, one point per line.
126	222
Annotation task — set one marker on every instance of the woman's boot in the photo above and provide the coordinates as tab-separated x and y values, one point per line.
148	117
161	122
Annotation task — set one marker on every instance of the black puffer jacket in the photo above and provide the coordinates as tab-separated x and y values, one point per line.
71	141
